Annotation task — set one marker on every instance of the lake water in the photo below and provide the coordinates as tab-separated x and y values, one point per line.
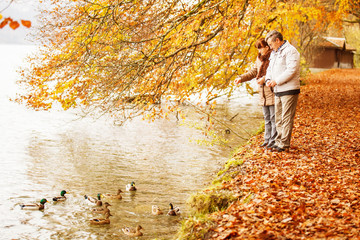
43	153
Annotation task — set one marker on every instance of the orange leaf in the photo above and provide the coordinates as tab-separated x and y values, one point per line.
26	23
14	25
3	24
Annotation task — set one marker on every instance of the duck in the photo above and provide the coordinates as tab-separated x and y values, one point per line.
93	200
113	196
133	232
101	221
156	210
131	187
173	211
103	209
34	206
62	196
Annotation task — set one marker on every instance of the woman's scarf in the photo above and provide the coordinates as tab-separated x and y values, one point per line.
264	63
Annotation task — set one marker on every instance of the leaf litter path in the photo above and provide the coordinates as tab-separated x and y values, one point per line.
312	191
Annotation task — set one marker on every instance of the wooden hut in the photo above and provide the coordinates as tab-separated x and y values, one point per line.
332	52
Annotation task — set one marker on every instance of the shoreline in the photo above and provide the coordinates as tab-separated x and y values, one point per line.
309	192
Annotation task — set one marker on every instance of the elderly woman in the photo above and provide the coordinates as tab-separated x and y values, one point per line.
266	93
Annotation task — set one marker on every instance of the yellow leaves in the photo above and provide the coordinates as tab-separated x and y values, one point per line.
154	48
343	5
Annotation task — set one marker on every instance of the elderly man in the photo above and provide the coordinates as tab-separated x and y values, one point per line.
283	74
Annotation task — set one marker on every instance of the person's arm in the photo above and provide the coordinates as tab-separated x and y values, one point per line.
246	76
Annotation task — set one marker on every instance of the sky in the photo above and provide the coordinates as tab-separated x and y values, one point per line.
18	10
22	10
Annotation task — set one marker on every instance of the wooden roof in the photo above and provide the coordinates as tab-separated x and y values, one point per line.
335	42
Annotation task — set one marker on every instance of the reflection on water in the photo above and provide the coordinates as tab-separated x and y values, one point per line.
43	153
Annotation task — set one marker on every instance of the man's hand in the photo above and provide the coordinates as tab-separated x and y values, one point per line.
271	83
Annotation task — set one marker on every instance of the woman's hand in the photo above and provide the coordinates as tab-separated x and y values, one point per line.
237	81
260	81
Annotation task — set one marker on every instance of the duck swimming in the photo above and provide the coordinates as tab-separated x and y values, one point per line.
34	206
156	210
113	196
62	196
133	232
93	200
173	211
102	209
131	187
101	221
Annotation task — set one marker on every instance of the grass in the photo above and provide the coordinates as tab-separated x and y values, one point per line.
195	227
201	206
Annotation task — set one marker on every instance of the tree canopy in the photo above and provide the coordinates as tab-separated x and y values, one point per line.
124	57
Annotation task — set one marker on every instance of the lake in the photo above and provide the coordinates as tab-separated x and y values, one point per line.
43	153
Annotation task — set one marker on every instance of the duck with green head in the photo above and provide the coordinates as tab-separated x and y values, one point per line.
131	187
93	200
34	206
173	211
62	196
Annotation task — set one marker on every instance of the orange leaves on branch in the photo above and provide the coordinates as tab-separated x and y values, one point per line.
155	48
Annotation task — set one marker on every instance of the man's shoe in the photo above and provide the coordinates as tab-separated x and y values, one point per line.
271	145
264	144
279	149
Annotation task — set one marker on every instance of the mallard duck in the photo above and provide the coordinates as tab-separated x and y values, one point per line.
34	206
103	209
101	221
133	232
62	196
173	211
93	200
113	196
156	210
131	187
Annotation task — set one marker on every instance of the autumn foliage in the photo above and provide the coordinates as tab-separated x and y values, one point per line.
127	57
13	23
312	191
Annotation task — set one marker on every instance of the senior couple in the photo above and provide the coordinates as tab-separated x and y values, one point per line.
277	72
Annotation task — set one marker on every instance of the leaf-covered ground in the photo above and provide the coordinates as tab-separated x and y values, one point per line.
312	191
